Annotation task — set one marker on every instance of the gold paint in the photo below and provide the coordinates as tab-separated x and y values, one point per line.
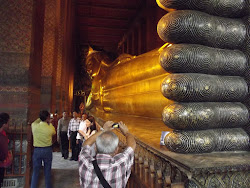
129	85
163	47
161	6
91	50
207	141
168	80
71	88
174	86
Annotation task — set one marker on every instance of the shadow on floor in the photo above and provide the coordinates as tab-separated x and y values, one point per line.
64	173
62	178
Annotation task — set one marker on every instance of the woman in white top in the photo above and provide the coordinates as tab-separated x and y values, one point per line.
88	128
82	127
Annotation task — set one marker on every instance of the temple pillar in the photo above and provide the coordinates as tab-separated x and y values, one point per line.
153	15
57	56
131	42
21	44
135	40
128	44
139	39
30	45
142	39
58	72
125	47
69	57
21	30
49	54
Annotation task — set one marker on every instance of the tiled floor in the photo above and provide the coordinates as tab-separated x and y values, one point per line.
60	163
64	173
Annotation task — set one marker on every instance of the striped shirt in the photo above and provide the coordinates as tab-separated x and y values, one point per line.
73	125
116	170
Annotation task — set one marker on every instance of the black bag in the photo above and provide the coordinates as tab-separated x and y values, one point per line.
98	172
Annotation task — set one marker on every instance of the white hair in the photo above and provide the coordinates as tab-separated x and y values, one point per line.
107	142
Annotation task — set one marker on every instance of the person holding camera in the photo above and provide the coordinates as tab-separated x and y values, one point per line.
43	131
108	168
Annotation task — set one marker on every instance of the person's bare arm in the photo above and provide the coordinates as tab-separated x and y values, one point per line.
98	126
83	134
88	132
91	140
129	137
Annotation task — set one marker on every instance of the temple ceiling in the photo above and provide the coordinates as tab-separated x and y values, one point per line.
103	23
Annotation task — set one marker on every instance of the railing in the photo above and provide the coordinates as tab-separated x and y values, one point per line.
154	169
20	142
151	170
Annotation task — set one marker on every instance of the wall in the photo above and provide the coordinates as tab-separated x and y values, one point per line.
36	64
142	35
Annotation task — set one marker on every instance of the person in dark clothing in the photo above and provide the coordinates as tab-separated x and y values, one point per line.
73	128
62	137
5	155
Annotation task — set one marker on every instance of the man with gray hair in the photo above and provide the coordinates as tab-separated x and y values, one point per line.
115	167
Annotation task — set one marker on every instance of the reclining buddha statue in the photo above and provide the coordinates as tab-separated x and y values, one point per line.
197	83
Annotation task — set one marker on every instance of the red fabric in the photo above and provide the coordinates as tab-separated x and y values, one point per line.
4	133
3	146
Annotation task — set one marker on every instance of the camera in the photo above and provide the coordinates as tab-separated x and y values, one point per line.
115	125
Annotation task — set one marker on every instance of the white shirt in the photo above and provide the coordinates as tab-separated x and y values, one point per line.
83	128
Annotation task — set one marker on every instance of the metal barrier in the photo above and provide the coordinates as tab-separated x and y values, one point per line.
20	142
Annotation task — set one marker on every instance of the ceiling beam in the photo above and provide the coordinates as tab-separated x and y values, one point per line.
120	8
98	43
103	22
112	3
83	29
104	12
103	38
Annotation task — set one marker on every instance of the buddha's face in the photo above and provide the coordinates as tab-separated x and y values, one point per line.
93	65
95	61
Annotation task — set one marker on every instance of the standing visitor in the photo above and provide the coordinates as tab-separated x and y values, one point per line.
115	166
62	137
42	131
5	155
89	129
82	127
72	133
